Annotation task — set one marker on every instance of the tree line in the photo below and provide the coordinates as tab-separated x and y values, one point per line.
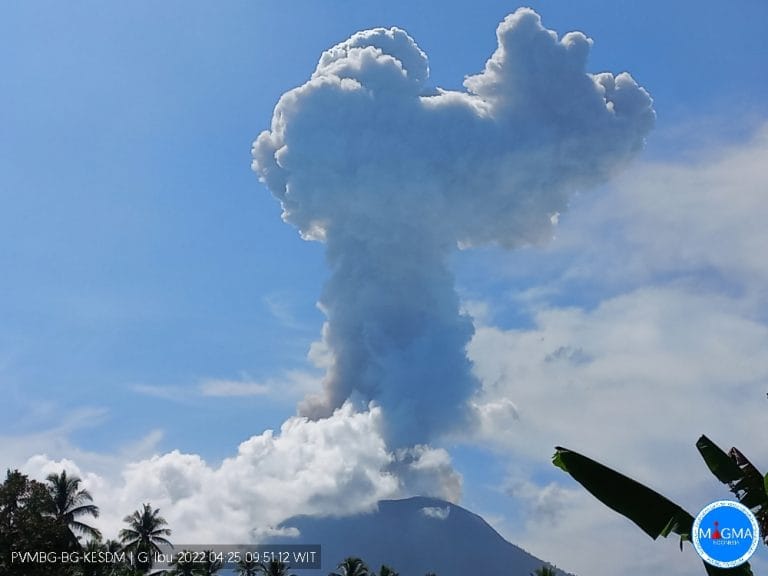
43	522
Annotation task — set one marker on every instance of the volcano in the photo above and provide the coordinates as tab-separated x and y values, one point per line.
414	536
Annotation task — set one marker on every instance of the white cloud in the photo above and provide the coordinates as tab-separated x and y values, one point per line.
674	349
710	213
436	512
15	449
542	504
624	369
585	538
424	470
700	220
673	337
290	386
334	466
567	526
283	308
233	388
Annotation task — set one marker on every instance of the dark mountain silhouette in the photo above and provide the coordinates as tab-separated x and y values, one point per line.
414	536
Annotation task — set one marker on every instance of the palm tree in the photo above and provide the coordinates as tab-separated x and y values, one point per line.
92	568
387	571
273	568
544	571
113	546
146	531
69	502
351	566
183	566
117	567
247	567
210	566
98	565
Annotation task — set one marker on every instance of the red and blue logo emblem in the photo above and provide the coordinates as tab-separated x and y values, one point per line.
725	534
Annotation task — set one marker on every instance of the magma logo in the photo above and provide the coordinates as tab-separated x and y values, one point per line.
725	534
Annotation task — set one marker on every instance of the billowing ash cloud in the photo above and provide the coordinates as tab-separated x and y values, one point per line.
391	175
334	466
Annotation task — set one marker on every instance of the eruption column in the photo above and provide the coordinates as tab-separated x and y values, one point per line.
391	175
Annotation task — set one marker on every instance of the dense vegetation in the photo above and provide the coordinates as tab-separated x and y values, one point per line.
49	522
44	531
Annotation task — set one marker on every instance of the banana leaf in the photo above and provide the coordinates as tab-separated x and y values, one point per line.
655	514
652	512
745	481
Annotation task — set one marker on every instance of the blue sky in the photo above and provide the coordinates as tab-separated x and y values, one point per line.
143	260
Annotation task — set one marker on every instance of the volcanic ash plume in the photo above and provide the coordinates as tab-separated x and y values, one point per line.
392	175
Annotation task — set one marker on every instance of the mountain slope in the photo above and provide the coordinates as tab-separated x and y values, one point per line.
415	536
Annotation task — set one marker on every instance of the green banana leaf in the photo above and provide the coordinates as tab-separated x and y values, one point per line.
745	481
652	512
765	483
655	514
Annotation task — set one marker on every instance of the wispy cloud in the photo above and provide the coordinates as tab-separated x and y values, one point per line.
283	309
163	392
292	384
436	512
233	388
